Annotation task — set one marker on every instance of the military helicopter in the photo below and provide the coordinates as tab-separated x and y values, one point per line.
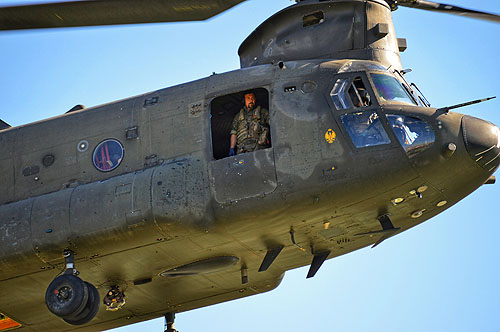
250	278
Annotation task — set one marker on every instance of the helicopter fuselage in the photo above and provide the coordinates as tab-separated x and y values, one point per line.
175	197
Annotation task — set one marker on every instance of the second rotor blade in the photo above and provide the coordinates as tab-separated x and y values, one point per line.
109	12
450	9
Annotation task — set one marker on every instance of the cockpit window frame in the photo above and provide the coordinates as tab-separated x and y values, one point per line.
375	107
370	135
415	92
351	76
411	153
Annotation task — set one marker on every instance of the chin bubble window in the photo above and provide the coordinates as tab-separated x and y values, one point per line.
108	155
414	134
365	129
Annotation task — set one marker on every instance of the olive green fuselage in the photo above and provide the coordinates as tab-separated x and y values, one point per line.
170	202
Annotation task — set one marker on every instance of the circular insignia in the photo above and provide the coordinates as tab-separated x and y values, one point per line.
330	136
108	155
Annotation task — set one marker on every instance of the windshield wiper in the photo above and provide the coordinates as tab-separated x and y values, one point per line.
421	95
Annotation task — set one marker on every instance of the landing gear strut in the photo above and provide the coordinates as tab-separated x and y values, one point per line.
169	322
71	298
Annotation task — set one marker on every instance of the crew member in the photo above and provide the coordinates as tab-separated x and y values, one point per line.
250	127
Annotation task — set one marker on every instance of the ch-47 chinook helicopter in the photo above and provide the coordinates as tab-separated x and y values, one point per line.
141	194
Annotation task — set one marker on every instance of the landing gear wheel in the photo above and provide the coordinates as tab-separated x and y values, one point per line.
89	311
67	295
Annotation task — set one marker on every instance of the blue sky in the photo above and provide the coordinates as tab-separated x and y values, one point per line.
441	275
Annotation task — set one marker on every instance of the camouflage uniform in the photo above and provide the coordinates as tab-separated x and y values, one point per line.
251	129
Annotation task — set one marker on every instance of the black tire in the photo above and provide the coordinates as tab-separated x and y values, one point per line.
89	311
66	295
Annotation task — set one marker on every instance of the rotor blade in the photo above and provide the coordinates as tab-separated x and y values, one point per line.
109	12
443	8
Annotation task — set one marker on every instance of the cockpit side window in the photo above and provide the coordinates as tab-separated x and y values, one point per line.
390	90
338	94
350	93
365	129
413	134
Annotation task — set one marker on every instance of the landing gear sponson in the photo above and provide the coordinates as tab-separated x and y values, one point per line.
70	298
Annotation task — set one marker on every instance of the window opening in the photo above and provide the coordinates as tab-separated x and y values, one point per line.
313	19
357	95
150	101
108	155
413	134
251	127
389	89
365	129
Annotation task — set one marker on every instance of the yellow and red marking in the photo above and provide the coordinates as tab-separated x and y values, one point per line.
330	136
7	323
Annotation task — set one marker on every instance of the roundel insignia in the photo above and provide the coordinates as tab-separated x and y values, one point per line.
330	136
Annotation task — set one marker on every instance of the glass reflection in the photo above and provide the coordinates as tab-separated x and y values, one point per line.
389	89
365	129
412	133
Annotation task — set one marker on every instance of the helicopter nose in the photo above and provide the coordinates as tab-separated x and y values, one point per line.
482	140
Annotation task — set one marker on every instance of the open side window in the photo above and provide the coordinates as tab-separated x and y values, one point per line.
223	111
350	92
313	19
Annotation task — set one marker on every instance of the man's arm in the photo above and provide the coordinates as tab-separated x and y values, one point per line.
233	141
234	131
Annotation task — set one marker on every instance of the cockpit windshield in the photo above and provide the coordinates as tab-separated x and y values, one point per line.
390	90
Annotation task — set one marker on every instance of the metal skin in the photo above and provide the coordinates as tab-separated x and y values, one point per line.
170	204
